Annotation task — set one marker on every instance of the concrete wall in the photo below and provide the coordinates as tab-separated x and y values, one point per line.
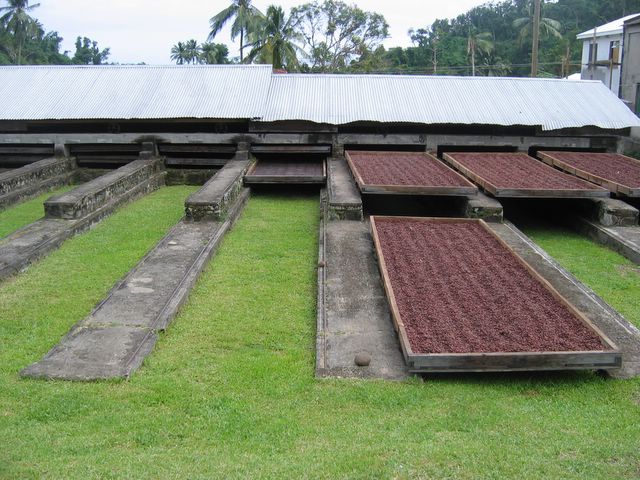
610	77
631	67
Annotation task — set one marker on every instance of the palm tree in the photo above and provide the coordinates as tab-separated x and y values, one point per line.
17	21
494	66
480	43
245	20
178	53
274	40
187	52
533	25
192	52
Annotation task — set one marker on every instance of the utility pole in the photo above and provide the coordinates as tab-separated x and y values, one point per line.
535	38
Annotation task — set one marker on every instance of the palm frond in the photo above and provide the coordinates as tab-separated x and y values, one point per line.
218	21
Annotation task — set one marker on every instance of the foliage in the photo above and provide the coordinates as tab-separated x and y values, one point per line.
438	47
478	43
335	33
548	27
230	392
88	53
23	40
246	17
274	40
214	53
186	52
17	22
190	52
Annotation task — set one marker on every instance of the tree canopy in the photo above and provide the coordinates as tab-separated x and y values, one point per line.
23	40
335	33
492	39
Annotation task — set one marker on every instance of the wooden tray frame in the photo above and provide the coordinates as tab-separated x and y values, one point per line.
615	187
251	179
380	189
489	187
607	358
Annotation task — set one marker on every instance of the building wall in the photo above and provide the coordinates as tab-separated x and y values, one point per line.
631	67
609	76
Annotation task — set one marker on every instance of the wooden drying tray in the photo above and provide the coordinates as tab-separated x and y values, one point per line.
523	192
432	190
607	358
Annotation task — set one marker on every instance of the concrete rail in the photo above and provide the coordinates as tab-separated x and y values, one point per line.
213	200
31	180
93	195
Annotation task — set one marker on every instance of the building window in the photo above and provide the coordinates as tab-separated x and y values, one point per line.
593	53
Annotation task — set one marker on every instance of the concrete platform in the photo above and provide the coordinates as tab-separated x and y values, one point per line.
353	313
484	207
122	330
344	200
93	195
624	240
610	212
28	244
213	200
31	180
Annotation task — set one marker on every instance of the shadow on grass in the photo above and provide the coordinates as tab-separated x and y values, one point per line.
557	378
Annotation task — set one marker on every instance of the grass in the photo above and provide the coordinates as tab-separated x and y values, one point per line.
25	213
229	390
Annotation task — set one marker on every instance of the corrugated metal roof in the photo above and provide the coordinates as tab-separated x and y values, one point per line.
133	92
341	99
253	92
612	28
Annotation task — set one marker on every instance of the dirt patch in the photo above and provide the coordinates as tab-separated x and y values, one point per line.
610	166
628	270
530	393
519	171
404	168
459	290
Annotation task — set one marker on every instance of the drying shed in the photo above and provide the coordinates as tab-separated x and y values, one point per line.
203	112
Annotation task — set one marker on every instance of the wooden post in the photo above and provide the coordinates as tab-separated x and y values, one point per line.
535	39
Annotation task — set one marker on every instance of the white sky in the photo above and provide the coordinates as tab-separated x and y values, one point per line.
144	30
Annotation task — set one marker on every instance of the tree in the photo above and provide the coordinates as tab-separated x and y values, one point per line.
274	40
192	51
246	16
186	52
214	53
534	24
494	66
88	53
378	60
178	53
17	21
334	33
478	43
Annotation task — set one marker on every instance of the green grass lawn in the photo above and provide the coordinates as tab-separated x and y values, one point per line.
230	390
24	213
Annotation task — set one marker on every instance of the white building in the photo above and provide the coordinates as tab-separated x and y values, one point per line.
602	53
